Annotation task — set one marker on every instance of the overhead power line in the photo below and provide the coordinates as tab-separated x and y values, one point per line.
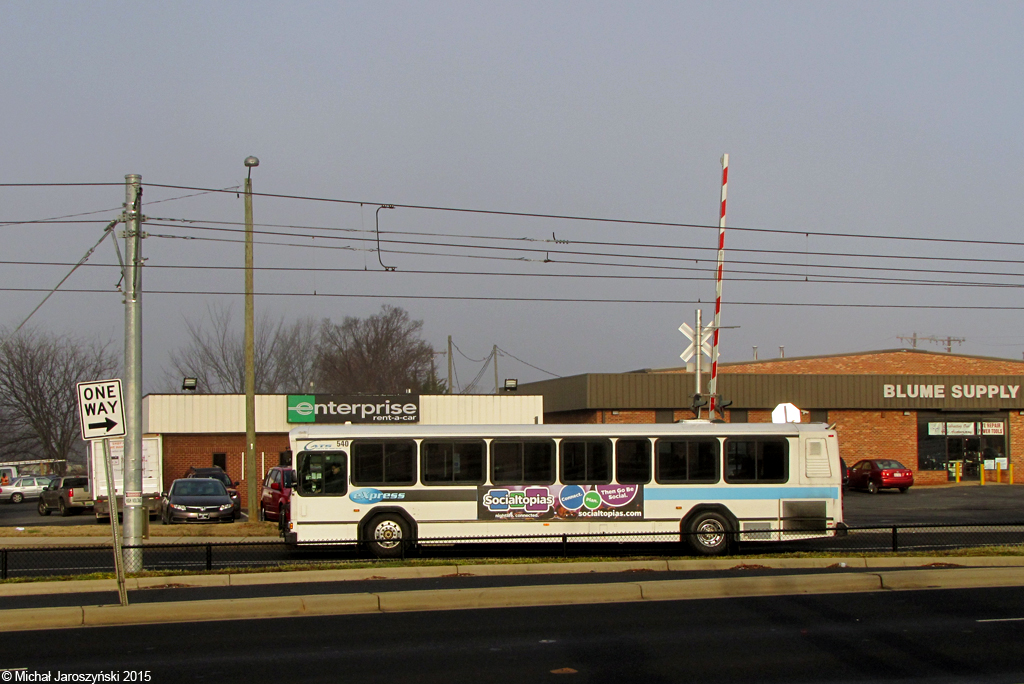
598	219
564	300
737	277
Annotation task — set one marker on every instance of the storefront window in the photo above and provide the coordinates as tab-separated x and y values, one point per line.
960	443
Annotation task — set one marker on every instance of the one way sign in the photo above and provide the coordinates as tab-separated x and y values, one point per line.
100	408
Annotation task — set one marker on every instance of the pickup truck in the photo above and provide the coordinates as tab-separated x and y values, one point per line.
66	494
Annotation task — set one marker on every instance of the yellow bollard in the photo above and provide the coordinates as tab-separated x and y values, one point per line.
981	469
1011	473
958	468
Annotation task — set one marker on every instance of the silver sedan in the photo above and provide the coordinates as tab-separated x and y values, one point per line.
23	488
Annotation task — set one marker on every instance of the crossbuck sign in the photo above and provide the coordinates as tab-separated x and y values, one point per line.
704	344
100	409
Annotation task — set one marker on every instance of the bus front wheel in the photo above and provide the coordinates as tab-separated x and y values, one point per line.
387	534
708	534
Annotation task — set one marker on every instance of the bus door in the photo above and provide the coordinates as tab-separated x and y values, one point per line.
321	481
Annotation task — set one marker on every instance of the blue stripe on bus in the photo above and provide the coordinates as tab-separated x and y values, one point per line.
733	493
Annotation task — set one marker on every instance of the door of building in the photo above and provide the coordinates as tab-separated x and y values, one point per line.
965	451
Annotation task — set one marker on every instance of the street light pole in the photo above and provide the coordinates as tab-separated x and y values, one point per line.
250	355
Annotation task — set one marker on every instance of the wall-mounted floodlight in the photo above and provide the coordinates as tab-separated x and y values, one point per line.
511	384
189	384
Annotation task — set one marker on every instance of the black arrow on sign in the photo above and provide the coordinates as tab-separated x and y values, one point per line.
109	424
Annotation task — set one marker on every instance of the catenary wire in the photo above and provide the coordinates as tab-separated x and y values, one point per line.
594	219
781	277
734	250
548	252
557	300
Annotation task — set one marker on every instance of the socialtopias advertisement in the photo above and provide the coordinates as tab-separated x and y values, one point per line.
561	502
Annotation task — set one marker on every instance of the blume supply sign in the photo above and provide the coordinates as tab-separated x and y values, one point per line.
560	502
340	408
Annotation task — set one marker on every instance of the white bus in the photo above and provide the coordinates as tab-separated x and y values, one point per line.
708	483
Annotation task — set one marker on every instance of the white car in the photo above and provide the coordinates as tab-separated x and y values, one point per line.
27	487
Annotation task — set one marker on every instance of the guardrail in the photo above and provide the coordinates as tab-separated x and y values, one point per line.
41	561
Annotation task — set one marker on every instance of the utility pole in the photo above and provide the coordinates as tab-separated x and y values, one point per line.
133	509
451	389
494	355
250	355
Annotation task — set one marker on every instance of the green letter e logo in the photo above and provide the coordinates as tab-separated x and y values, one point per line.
301	408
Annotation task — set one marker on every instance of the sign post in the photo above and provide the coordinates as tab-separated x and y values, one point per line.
102	417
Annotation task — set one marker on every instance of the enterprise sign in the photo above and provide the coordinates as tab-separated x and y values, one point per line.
339	408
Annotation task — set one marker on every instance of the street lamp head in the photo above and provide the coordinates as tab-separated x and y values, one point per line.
251	162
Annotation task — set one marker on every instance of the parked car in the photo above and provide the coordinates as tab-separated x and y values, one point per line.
65	494
197	499
23	488
217	473
844	471
874	474
277	492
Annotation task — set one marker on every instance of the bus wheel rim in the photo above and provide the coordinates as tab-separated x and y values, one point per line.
388	534
710	533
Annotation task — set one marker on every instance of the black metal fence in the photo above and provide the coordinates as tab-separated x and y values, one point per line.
198	556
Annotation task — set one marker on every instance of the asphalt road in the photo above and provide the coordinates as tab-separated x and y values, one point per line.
928	636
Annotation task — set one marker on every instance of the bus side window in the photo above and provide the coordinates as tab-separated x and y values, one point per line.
685	461
586	462
384	462
633	461
526	462
757	460
455	462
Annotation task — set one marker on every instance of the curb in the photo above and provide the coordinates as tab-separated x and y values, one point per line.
25	619
501	570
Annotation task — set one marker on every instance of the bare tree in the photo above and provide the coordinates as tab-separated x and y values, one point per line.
215	354
381	353
297	354
38	400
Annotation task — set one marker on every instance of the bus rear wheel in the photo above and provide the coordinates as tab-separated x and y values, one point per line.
708	534
386	534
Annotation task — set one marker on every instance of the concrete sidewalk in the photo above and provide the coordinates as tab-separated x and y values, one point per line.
857	575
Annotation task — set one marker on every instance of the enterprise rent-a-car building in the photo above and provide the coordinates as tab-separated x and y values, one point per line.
929	410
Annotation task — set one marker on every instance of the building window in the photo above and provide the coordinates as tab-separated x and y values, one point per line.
818	416
221	461
664	416
739	416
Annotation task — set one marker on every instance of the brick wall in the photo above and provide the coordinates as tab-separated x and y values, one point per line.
893	362
185	450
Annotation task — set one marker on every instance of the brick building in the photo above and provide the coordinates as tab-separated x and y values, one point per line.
929	410
209	429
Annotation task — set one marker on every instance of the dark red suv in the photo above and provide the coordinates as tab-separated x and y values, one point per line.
277	491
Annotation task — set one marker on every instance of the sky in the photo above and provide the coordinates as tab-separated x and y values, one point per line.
875	158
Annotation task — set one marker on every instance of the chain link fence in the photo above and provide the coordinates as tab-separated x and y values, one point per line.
42	561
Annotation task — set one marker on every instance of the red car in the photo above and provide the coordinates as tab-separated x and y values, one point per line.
277	491
881	473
